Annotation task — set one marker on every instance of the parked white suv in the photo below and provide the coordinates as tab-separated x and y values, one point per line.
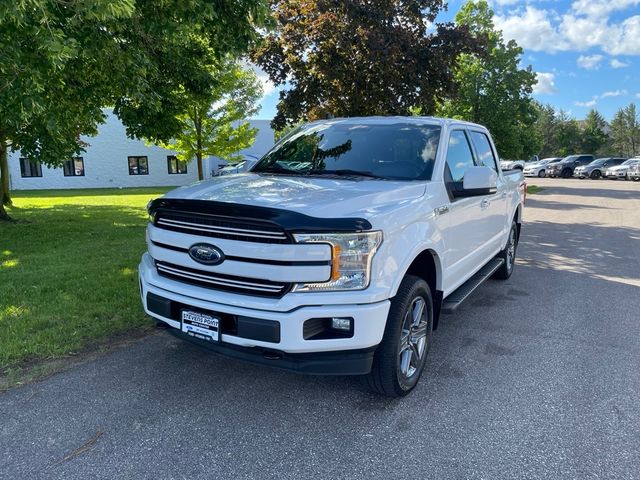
338	252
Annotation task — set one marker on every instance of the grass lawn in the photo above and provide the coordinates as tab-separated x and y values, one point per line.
533	189
68	271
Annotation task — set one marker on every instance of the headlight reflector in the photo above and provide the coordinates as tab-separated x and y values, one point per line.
351	256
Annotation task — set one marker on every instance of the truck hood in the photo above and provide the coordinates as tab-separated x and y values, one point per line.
315	196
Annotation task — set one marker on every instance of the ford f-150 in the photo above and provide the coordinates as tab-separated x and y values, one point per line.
339	251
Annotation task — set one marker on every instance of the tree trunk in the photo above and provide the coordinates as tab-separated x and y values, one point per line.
198	126
200	169
5	193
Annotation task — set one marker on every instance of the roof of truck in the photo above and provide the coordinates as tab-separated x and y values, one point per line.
398	119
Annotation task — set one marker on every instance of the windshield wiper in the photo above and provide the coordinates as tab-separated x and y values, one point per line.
343	172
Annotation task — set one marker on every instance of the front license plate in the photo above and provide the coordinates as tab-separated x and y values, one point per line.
200	325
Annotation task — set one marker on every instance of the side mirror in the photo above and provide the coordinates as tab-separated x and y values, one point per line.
478	181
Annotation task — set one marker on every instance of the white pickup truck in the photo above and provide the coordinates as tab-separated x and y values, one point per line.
337	253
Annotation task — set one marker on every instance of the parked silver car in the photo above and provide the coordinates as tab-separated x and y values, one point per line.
596	168
621	170
634	172
538	169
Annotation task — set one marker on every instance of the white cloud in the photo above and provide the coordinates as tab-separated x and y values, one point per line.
600	8
590	103
532	29
587	25
590	62
614	93
638	95
546	84
615	63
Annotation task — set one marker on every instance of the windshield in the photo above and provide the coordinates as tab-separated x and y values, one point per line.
400	151
570	158
598	162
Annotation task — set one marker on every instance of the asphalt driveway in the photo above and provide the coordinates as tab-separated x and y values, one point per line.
538	377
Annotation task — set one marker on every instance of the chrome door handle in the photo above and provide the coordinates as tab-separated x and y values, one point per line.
484	203
441	210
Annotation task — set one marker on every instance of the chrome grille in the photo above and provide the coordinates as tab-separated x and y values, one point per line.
219	281
221	227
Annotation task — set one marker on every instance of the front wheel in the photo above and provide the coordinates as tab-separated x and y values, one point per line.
566	173
508	254
402	354
541	173
596	174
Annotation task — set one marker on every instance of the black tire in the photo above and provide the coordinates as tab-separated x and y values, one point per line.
508	255
596	174
541	174
566	173
386	376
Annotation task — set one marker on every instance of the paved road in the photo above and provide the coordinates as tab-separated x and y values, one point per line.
538	377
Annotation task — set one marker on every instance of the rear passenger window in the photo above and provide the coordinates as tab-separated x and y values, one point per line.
459	156
484	150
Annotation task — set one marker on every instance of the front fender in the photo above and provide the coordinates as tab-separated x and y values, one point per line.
402	247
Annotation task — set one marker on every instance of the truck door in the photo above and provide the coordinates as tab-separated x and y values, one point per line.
496	205
466	233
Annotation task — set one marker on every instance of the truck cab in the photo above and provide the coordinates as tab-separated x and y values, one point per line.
339	251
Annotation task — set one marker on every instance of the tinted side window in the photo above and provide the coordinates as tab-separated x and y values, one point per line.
459	156
483	149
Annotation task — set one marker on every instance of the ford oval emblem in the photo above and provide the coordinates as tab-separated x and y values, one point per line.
206	254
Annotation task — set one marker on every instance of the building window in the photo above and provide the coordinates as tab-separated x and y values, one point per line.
138	166
175	166
30	169
74	167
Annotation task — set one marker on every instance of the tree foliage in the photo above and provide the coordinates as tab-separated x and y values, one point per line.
361	57
61	61
593	136
491	87
562	135
625	131
213	124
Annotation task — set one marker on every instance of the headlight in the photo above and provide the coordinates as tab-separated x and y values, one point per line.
351	256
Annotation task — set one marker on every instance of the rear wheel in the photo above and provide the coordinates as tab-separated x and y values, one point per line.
402	354
596	174
508	254
541	173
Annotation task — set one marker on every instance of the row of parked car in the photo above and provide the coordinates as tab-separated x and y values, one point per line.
579	166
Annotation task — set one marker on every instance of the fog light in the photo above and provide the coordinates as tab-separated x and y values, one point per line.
344	324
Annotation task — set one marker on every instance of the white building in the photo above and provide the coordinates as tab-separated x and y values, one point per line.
113	160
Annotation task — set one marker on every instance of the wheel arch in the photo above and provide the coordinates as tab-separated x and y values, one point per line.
427	265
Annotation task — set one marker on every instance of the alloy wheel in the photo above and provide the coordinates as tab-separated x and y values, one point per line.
413	339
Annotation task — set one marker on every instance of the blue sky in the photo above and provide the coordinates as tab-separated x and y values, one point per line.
586	52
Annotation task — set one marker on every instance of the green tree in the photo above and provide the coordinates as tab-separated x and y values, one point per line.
594	137
491	87
545	129
213	123
568	135
62	61
625	131
359	58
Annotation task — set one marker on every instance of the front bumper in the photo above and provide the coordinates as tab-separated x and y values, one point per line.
288	349
581	174
616	174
